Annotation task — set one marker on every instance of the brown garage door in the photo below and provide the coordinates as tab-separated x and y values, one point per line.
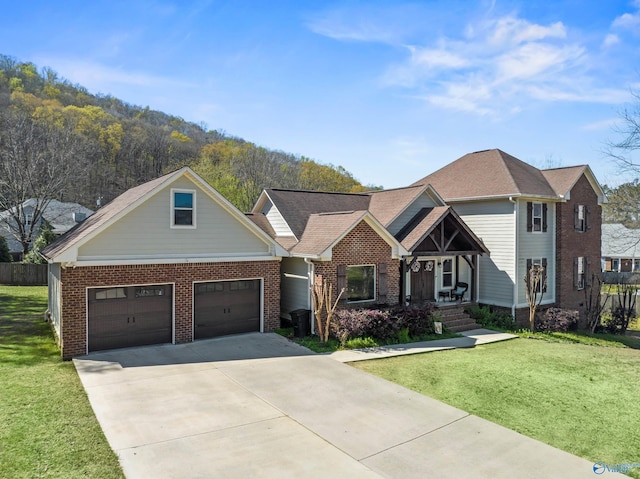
226	307
129	316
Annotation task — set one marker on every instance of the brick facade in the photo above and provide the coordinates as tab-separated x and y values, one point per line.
75	282
571	244
362	246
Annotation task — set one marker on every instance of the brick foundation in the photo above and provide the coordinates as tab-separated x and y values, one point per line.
75	282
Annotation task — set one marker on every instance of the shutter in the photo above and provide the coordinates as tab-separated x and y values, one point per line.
587	218
544	276
529	219
576	217
342	281
382	283
576	278
587	272
528	273
544	217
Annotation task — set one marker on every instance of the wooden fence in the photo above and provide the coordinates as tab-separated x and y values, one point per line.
23	274
613	277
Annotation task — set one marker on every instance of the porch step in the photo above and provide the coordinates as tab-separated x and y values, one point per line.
455	319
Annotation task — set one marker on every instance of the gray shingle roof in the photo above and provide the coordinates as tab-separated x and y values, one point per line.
618	241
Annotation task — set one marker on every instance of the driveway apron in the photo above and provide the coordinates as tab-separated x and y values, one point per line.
259	406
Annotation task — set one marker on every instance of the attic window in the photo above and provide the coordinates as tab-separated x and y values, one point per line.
183	208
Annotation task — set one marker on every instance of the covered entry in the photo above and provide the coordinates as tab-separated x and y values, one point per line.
127	316
226	307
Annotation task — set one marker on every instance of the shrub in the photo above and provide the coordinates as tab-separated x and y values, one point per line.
619	320
557	320
356	323
489	318
417	321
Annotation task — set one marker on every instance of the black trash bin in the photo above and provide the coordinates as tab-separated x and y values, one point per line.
301	321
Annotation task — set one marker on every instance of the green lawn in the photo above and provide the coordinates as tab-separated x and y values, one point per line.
47	427
581	398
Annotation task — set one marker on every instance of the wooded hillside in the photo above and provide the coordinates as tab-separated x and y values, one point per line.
101	146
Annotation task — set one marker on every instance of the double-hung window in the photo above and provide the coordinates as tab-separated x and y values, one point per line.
183	208
580	272
447	273
536	217
580	219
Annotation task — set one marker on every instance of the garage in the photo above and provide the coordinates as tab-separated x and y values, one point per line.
127	316
226	307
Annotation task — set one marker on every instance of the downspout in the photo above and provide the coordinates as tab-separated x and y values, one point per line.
516	256
311	270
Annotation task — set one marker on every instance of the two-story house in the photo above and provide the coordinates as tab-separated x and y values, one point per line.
526	216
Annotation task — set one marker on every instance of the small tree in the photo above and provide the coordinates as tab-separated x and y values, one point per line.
46	237
323	311
5	254
622	314
594	306
535	281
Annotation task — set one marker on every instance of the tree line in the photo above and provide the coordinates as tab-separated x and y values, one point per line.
58	141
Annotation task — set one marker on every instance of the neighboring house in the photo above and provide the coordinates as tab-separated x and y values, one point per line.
61	216
620	248
168	261
526	216
383	247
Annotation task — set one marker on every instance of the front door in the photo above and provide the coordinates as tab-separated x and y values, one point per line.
423	282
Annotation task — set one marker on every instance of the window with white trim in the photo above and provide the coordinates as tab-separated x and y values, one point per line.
447	273
183	208
580	221
361	283
580	272
536	217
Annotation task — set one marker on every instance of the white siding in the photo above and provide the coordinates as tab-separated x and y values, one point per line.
276	220
294	286
494	223
54	296
423	201
536	245
146	231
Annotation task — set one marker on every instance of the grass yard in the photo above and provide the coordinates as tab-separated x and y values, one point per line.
584	399
47	427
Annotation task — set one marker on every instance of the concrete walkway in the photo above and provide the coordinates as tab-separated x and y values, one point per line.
469	339
260	406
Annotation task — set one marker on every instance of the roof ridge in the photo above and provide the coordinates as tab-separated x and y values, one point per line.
293	190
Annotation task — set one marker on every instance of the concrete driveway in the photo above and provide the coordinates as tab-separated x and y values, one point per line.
259	406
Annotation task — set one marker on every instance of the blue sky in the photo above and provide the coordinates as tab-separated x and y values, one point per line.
391	91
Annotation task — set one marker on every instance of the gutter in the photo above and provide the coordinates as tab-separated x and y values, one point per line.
311	275
516	256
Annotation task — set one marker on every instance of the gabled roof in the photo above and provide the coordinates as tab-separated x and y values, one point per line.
325	230
296	206
488	174
65	247
426	221
618	241
104	215
386	205
562	180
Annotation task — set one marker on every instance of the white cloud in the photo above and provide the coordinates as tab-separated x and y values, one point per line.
610	40
629	21
509	30
534	59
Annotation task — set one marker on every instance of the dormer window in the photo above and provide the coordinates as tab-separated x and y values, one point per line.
183	208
